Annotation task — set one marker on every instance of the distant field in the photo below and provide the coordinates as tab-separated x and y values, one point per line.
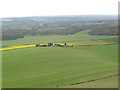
54	28
112	39
50	28
56	66
80	36
93	23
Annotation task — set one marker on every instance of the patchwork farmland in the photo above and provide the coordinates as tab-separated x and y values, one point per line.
58	66
75	60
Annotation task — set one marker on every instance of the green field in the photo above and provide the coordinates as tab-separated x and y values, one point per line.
112	39
46	67
58	66
71	51
111	82
80	36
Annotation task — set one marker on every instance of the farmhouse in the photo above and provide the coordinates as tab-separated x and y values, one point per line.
53	45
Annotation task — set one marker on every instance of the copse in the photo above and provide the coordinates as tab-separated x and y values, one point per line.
11	36
104	32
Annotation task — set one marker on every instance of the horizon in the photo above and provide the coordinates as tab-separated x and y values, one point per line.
62	15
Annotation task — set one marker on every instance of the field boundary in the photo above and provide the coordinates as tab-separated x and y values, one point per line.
92	80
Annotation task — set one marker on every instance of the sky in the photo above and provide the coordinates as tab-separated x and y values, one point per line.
21	8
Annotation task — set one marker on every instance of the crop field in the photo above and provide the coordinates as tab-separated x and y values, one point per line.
91	57
108	82
69	44
41	67
80	36
112	39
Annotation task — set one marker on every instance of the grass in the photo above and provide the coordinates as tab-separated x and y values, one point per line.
80	36
46	67
113	39
57	66
111	82
84	43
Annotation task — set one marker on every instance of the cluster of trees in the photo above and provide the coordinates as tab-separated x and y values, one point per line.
11	36
51	32
105	29
104	32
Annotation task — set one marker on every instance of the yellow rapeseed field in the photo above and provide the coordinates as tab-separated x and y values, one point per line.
16	47
74	43
84	43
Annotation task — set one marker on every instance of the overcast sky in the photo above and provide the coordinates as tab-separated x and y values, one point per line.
20	8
